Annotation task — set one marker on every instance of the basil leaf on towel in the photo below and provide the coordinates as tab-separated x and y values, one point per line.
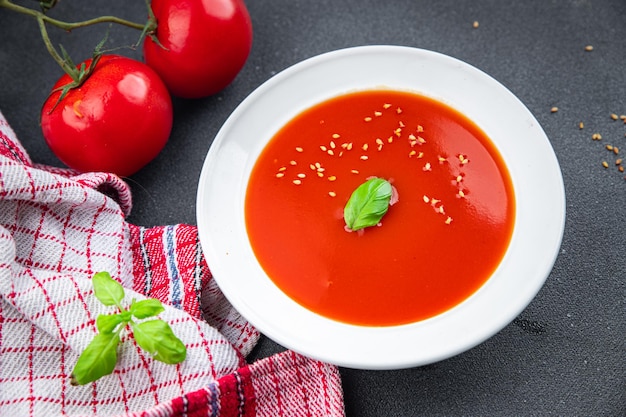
154	336
97	360
157	338
146	308
107	290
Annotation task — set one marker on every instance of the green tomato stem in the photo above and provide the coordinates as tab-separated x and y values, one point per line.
69	69
66	64
69	25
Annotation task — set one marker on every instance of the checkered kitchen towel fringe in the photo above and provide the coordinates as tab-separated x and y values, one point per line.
57	228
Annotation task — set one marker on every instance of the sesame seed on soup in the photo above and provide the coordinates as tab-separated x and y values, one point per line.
436	246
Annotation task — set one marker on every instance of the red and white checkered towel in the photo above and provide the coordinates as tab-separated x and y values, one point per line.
58	228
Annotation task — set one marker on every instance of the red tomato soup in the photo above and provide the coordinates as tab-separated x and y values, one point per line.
435	247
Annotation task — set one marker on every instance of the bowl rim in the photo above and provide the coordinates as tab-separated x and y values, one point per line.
537	183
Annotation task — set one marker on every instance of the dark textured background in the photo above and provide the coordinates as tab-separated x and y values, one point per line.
565	355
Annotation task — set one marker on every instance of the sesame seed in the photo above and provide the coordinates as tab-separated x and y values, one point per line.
332	194
336	135
368	119
412	153
596	136
280	175
312	167
332	178
614	116
330	152
323	148
301	175
364	147
386	105
390	139
399	110
581	125
380	147
618	161
364	157
349	146
332	144
427	167
449	220
398	131
475	24
609	147
299	149
401	124
378	114
293	162
420	155
461	194
379	141
282	169
459	178
589	48
615	150
426	199
621	168
297	182
354	171
623	117
554	109
420	128
320	174
421	140
605	164
442	159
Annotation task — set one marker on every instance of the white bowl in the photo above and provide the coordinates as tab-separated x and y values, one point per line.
534	170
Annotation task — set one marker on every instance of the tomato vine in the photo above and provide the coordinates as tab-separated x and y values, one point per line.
78	75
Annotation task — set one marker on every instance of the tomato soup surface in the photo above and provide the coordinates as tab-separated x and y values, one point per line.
435	247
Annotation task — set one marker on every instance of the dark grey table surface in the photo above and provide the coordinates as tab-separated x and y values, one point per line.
565	355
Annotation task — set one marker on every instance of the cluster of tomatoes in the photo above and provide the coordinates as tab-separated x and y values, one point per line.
121	116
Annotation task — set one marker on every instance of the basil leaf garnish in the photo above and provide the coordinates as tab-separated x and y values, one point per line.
368	204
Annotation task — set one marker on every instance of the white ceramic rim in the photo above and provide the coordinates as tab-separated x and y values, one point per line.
535	172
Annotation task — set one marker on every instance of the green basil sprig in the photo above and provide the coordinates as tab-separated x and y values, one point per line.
154	336
368	204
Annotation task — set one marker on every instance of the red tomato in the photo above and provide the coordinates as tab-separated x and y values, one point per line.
204	44
117	121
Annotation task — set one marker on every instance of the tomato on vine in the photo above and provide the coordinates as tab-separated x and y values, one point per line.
199	46
117	120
